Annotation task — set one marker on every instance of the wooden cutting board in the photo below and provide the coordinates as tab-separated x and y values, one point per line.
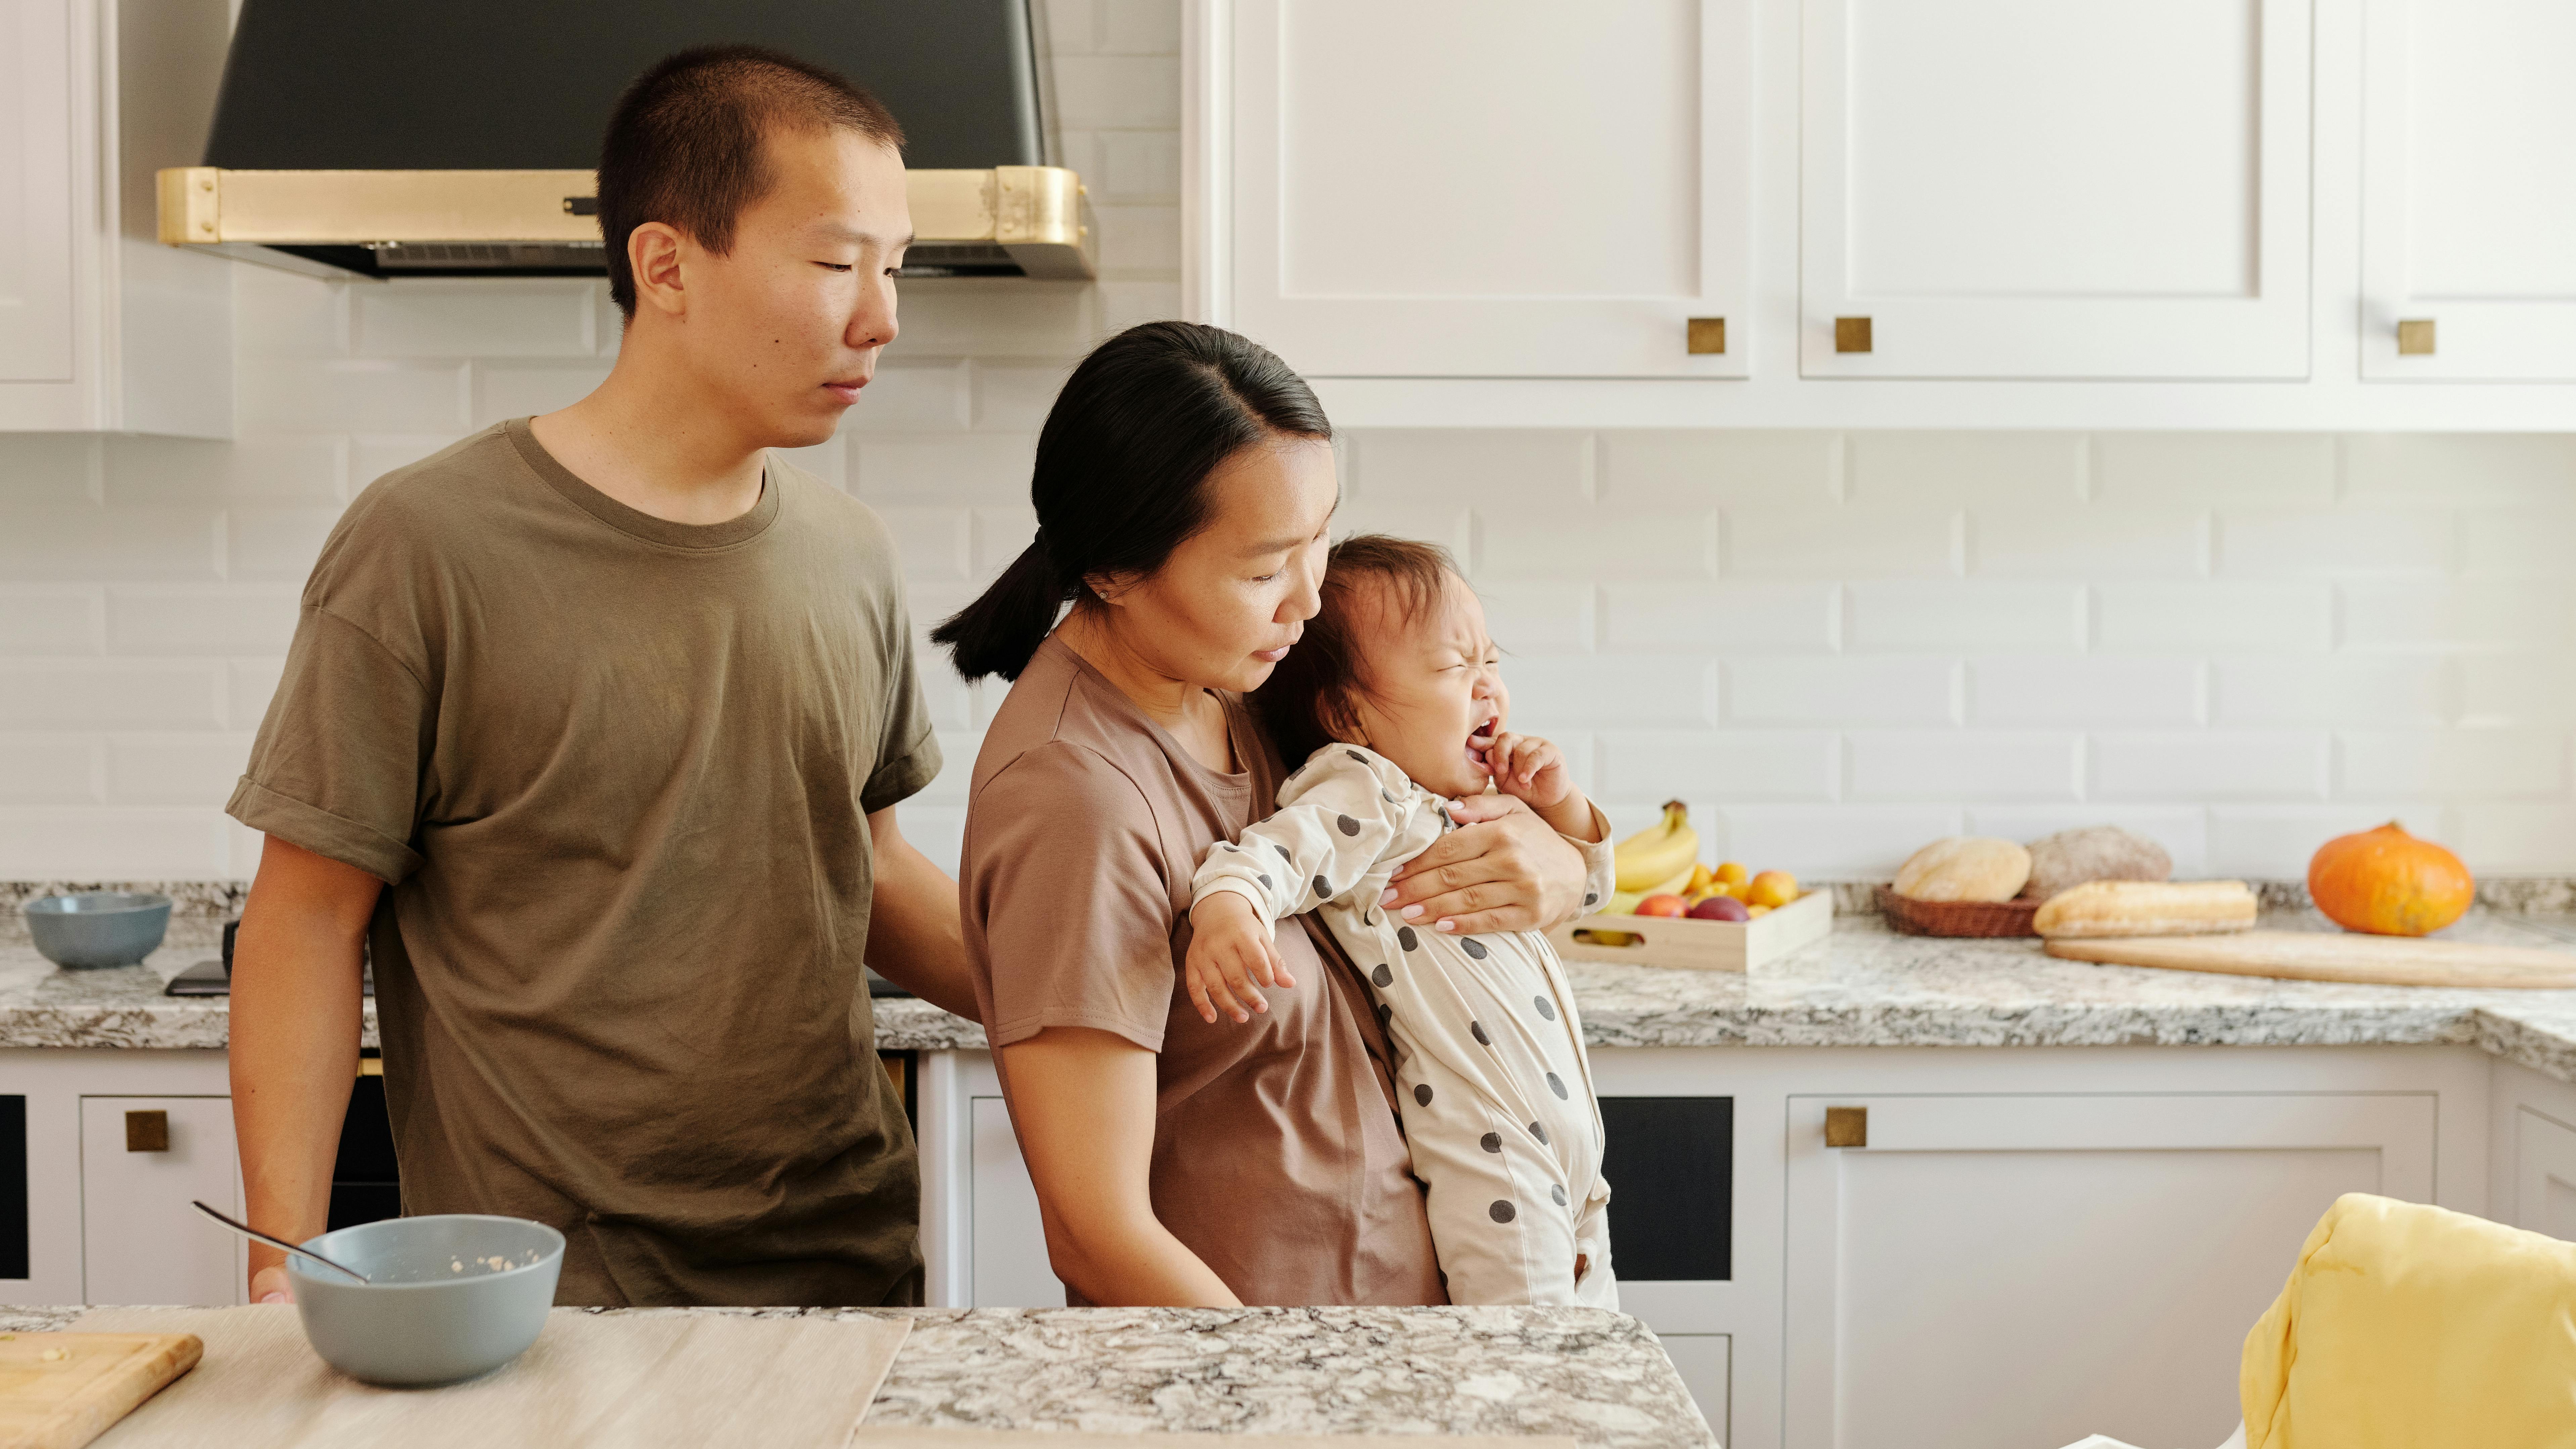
2336	956
61	1390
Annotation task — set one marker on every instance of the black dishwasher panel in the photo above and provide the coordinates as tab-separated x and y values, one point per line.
14	1250
1671	1166
366	1186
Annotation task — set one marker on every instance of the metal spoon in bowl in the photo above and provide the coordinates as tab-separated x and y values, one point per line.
247	1231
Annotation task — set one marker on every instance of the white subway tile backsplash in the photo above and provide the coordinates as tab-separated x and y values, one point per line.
1527	619
1645	468
1550	695
1138	239
108	694
1014	397
2511	837
986	469
280	315
49	770
373	455
2516	689
49	468
2332	689
2076	542
181	472
2454	614
933	397
231	619
1981	469
1140	27
2461	764
932	542
1137	165
86	543
483	317
1821	543
504	390
52	619
2507	543
1964	614
1645	767
1500	474
198	770
275	543
112	843
1450	525
2209	765
2178	470
969	318
1128	92
2337	544
2212	617
2083	690
1889	691
1123	304
249	684
1000	535
1827	842
1732	618
373	395
1593	543
1962	765
2450	469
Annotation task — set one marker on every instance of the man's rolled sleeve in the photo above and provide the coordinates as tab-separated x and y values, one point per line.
338	764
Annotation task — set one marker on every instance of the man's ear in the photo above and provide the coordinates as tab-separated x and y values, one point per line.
653	253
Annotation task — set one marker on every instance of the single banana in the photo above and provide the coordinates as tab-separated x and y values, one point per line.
1653	855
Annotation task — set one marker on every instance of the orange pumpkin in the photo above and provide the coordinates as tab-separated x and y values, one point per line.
2389	883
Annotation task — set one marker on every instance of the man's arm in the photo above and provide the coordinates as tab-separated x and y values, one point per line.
295	1020
915	939
1082	1102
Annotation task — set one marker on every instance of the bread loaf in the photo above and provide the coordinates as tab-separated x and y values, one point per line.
2146	908
1964	868
2097	852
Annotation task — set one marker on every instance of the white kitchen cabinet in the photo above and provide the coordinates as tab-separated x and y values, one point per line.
2544	1198
101	327
1011	1265
983	1244
1994	1269
2469	190
2002	189
1512	189
143	1161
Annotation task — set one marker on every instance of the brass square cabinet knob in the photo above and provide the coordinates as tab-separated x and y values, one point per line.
1851	334
2415	337
147	1131
1707	335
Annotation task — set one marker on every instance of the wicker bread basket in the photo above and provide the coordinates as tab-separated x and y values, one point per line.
1958	918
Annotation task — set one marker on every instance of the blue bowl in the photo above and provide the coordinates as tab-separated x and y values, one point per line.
448	1296
98	928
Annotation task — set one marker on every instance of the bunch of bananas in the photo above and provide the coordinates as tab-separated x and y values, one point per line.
1659	860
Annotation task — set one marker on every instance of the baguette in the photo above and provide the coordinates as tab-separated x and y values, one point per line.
2146	908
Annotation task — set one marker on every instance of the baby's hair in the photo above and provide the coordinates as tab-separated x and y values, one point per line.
1310	693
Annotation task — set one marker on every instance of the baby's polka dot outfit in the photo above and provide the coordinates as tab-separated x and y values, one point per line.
1499	1113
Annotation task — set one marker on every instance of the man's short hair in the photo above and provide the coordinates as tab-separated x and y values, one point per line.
684	144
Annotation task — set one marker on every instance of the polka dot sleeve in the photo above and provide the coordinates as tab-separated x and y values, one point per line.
1346	821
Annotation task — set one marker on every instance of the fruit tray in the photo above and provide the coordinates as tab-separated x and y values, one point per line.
1958	918
1701	945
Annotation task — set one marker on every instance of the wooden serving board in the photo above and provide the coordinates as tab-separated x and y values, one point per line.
2335	956
61	1390
1700	945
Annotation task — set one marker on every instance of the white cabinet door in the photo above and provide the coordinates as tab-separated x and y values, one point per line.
140	1240
36	206
2469	189
1009	1238
2019	189
2544	1175
2032	1269
1507	189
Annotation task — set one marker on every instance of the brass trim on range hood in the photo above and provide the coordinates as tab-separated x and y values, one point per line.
1033	220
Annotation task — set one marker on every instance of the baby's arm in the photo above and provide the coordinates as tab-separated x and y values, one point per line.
1346	809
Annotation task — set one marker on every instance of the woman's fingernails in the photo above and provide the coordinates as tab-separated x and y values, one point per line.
272	1298
1386	897
1444	924
1412	913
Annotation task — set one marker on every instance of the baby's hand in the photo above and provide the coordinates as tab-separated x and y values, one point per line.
1229	951
1529	768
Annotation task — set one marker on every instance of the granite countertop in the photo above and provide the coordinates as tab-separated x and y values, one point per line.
1863	986
1596	1376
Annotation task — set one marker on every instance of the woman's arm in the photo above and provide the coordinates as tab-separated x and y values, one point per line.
1503	869
1082	1102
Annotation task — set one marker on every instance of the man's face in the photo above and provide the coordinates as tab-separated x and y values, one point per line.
785	328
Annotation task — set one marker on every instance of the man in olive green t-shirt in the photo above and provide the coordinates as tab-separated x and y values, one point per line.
619	706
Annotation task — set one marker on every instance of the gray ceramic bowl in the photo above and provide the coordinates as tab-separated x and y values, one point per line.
98	928
435	1310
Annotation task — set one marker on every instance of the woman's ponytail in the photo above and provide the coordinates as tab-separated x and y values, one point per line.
1120	463
998	632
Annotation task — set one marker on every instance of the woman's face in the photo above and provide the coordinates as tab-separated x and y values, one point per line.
1224	608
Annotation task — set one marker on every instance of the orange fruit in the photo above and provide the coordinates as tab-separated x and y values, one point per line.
1771	888
1732	873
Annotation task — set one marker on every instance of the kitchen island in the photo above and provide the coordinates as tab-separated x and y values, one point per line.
1579	1372
2071	1188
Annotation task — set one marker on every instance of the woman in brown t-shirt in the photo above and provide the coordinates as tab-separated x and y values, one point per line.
1183	485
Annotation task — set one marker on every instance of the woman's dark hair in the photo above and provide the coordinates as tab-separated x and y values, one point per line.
1121	473
1306	701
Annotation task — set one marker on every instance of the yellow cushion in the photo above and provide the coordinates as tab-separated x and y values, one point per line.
2407	1325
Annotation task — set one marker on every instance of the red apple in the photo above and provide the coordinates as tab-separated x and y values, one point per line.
1667	905
1720	908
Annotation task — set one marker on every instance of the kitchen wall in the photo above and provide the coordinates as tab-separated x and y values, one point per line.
1834	645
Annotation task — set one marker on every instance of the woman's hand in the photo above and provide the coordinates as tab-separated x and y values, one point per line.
1503	869
1230	950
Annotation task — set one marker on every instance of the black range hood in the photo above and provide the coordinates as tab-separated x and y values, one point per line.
370	138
